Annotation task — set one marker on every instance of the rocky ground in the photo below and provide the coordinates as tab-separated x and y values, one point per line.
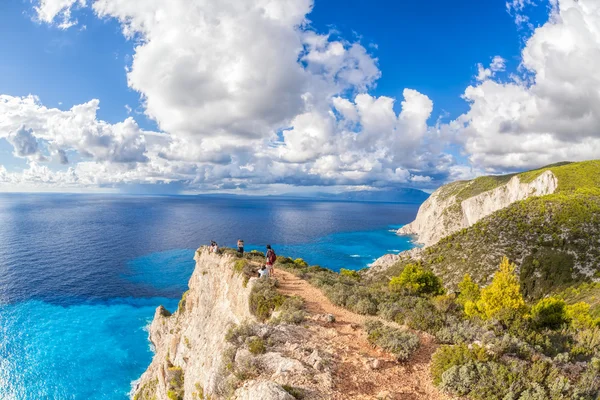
359	370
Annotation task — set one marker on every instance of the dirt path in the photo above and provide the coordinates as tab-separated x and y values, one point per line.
364	372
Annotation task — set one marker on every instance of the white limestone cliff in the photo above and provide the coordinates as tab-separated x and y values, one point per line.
441	215
194	360
193	338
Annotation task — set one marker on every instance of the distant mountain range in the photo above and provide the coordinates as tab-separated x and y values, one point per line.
412	196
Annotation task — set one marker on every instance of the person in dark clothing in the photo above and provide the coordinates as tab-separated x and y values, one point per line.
240	245
271	258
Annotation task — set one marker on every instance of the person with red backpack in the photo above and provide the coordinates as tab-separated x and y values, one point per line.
271	258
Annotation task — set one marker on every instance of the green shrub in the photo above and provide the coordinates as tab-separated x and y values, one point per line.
300	263
147	391
292	311
415	280
502	299
444	303
579	313
350	274
469	291
295	392
264	299
256	345
457	331
239	265
237	334
549	313
447	356
400	343
181	305
365	306
478	380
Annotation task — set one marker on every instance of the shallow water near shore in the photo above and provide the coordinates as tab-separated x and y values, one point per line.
81	275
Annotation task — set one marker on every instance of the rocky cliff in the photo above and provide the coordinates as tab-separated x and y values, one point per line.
462	204
213	347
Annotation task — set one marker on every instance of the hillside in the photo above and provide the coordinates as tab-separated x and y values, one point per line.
234	336
312	333
553	239
460	205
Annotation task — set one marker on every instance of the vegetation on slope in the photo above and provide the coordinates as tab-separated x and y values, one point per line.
571	176
553	239
496	344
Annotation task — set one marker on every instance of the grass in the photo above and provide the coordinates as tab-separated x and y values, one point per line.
588	292
571	176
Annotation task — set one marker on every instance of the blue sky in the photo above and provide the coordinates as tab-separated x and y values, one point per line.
432	48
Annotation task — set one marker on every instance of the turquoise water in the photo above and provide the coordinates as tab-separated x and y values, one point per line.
350	250
81	276
87	351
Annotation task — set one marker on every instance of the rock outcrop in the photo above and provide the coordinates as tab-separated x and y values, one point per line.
443	213
197	358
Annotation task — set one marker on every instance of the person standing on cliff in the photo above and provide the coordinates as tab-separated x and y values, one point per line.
240	245
271	258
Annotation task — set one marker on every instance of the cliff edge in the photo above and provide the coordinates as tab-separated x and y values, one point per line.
462	204
215	347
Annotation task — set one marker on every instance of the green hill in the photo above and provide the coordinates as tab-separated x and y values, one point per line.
554	239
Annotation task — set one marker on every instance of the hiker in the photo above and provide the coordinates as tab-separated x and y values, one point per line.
214	248
240	248
271	258
263	272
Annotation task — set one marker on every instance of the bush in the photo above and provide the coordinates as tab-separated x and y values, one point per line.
579	313
291	311
502	299
264	299
237	334
400	343
549	313
457	332
300	263
256	345
444	303
446	357
295	392
415	280
350	274
469	291
365	306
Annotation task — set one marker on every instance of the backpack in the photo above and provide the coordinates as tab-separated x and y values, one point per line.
271	256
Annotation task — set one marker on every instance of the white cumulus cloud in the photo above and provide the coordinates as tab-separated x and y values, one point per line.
553	113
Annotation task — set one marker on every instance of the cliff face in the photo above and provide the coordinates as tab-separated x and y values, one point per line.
445	213
213	347
191	342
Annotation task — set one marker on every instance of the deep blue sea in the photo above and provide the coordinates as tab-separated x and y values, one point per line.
81	275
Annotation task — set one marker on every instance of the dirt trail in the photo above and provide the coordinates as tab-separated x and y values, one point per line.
358	376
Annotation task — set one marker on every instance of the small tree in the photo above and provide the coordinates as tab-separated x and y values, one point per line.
579	314
502	299
550	313
416	280
469	291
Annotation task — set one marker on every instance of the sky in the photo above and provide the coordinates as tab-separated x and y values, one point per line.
272	96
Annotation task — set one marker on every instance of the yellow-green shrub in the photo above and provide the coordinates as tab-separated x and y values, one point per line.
469	291
580	316
416	280
502	299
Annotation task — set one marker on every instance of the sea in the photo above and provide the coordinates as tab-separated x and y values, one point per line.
81	275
